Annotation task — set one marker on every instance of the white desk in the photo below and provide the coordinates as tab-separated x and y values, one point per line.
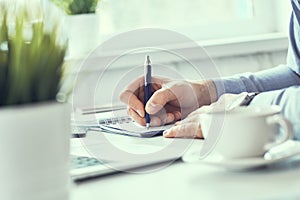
189	181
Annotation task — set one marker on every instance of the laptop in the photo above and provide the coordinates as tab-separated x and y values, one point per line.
101	153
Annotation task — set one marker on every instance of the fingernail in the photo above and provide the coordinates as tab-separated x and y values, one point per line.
140	113
165	133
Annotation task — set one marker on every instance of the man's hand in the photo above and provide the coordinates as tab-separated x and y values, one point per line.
170	102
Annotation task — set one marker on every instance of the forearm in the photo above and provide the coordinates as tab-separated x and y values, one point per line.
267	80
205	91
289	100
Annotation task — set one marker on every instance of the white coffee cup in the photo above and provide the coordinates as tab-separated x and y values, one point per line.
244	131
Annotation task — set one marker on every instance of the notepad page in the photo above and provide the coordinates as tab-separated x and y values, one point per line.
134	129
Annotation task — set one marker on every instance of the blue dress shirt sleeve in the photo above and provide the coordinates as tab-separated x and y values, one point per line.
272	79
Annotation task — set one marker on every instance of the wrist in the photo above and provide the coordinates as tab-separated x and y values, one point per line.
206	92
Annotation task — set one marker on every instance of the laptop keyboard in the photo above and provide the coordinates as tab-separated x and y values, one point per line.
82	161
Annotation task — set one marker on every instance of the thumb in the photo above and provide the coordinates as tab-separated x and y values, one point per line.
185	130
159	99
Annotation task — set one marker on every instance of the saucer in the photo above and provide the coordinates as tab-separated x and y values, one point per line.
284	152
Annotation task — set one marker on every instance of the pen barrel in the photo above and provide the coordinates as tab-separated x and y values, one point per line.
147	88
147	92
147	97
148	74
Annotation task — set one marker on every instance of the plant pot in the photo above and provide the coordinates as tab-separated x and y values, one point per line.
83	33
34	152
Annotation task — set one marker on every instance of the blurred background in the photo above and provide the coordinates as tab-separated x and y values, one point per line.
238	35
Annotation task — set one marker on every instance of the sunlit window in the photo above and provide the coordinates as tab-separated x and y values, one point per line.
169	13
199	19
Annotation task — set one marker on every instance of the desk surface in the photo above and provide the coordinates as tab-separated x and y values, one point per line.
193	181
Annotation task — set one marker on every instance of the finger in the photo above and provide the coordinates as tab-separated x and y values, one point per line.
166	118
133	102
185	130
136	117
192	119
159	99
155	87
187	120
159	120
203	109
177	115
141	94
155	121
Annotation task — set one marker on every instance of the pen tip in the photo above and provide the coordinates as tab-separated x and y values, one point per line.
147	61
147	125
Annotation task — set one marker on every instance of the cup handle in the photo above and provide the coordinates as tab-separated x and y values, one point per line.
285	124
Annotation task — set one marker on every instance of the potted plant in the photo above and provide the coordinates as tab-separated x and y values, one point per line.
34	144
83	22
75	7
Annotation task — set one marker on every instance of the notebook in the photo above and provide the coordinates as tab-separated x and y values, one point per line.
133	129
116	122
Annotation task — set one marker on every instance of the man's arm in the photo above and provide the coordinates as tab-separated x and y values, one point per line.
288	99
272	79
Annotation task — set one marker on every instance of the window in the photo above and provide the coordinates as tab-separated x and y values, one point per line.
198	19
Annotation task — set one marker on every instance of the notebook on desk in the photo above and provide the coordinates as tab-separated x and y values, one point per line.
133	129
116	122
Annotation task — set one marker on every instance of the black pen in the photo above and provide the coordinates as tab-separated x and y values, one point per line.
147	77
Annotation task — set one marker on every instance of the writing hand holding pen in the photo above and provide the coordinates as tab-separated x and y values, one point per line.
171	100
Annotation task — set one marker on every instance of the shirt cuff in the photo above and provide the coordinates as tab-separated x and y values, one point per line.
229	85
